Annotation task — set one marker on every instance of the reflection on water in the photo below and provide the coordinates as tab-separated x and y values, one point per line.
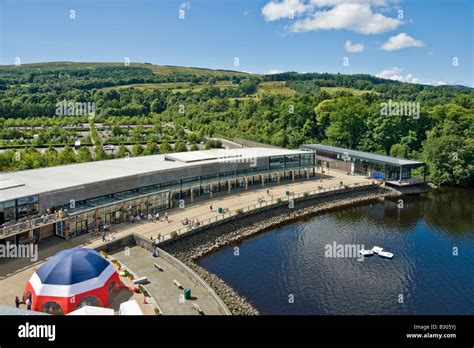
424	277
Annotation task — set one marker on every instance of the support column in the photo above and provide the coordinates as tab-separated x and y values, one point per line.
263	180
192	194
293	176
229	186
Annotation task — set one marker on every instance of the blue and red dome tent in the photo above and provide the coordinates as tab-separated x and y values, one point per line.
71	279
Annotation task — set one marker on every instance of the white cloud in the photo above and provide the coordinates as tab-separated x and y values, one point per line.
357	17
324	3
439	83
356	47
272	72
285	9
395	73
401	41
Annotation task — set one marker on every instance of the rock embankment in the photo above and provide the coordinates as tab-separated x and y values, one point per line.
189	248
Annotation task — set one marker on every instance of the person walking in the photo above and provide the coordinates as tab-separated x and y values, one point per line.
17	302
166	216
103	236
211	207
28	304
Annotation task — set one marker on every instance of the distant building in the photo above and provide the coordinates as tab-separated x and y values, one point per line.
395	171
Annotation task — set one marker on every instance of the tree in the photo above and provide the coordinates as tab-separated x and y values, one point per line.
194	147
84	155
180	147
248	87
151	149
165	147
399	151
99	154
122	151
137	150
67	155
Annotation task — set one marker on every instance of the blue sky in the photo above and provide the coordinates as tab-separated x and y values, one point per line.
266	35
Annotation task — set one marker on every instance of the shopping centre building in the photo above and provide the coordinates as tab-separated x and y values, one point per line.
72	200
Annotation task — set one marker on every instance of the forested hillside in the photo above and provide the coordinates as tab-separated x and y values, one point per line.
190	104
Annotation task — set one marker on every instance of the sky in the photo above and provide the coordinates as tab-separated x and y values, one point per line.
421	41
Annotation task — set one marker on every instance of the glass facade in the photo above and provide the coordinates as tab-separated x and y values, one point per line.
91	214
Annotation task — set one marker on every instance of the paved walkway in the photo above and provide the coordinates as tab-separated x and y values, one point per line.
161	285
14	273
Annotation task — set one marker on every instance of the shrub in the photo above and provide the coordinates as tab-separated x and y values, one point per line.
306	194
278	200
174	235
239	211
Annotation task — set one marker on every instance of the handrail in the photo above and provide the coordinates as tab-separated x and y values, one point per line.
32	223
193	276
313	193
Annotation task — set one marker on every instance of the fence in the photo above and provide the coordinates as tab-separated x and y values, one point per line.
29	224
320	192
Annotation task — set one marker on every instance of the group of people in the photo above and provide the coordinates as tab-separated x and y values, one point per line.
195	222
26	301
150	217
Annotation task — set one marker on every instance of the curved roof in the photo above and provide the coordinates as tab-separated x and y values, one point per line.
72	266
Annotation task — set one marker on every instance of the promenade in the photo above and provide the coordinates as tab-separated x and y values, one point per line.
14	273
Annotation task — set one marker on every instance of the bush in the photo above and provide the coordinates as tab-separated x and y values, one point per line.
174	235
157	311
306	194
278	200
239	211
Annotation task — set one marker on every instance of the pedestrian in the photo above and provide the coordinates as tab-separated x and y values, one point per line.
159	237
166	216
211	207
268	192
103	236
17	302
157	216
28	304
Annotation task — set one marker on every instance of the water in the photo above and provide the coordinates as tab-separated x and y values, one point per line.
424	277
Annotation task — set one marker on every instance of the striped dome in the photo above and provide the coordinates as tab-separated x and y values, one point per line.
72	266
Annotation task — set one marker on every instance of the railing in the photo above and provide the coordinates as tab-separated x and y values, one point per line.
196	279
322	191
29	224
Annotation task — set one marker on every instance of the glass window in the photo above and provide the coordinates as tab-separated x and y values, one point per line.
7	212
277	162
52	307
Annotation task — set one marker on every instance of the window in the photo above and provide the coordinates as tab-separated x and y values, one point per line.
52	307
89	301
27	206
7	212
277	162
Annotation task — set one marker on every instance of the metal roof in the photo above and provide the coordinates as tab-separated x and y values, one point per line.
363	155
36	181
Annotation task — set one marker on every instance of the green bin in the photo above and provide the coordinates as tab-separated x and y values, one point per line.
219	210
187	293
287	193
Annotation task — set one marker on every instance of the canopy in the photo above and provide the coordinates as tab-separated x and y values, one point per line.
70	280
